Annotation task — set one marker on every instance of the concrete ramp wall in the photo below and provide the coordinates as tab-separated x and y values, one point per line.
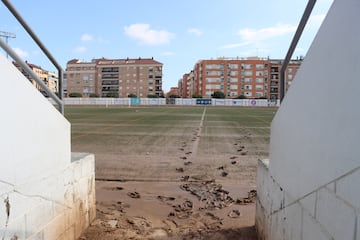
43	193
309	188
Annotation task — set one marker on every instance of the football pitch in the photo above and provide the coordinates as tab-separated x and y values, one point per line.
168	143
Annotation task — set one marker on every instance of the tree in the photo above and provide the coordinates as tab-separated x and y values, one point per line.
242	97
174	96
112	95
218	94
132	95
94	95
196	95
75	94
152	96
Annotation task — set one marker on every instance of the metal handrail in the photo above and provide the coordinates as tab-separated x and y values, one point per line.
18	60
58	99
293	44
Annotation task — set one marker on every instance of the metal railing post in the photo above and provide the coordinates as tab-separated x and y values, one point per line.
293	44
42	47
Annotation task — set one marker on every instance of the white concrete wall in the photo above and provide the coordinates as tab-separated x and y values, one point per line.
309	189
329	212
44	195
315	127
58	206
28	124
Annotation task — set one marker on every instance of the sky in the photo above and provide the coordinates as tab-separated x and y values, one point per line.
175	33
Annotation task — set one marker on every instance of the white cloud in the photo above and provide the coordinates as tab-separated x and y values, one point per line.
255	38
21	53
80	49
86	37
249	35
145	35
195	31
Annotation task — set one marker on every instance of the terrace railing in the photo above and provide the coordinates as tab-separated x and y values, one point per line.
57	98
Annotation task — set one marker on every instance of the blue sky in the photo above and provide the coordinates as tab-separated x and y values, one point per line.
175	33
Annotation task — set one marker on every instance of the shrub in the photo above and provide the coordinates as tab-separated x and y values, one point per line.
75	94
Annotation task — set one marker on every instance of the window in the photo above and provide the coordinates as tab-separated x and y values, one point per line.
259	66
248	73
213	66
259	80
259	73
259	87
233	73
247	66
248	80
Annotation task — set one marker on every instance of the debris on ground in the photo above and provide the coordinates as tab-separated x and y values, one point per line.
133	194
210	193
234	214
247	200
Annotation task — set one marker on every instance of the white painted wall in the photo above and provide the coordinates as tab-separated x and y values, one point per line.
35	138
315	134
309	187
45	192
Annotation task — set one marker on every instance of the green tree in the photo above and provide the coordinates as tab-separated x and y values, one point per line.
94	95
242	97
196	95
174	96
132	95
75	94
218	94
152	96
112	95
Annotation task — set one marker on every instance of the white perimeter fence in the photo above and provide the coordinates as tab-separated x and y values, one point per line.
171	101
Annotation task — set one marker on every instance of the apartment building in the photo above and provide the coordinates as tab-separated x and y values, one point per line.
115	77
274	80
174	91
80	78
250	77
50	78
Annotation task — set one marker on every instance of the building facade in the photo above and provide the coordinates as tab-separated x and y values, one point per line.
50	78
138	77
174	91
248	77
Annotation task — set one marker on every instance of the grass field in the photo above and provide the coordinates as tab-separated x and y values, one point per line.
150	143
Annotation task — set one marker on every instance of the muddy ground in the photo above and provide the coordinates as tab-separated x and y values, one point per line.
196	182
